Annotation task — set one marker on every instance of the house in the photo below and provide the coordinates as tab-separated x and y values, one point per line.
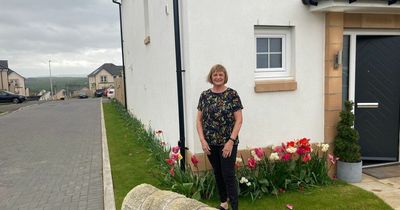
11	80
104	76
60	95
292	62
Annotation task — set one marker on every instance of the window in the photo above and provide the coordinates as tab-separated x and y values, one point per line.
273	52
103	78
14	82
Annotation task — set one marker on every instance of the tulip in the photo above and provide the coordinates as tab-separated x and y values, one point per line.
170	161
172	172
286	156
175	149
194	160
251	163
325	147
259	152
306	158
274	156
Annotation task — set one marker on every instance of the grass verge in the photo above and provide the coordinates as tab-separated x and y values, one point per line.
131	166
130	162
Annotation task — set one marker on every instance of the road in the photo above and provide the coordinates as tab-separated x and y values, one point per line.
50	156
9	107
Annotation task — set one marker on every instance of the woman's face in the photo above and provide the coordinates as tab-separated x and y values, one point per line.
218	78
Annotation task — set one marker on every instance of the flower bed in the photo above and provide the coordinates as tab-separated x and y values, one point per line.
295	165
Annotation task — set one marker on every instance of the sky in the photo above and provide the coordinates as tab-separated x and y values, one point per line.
77	36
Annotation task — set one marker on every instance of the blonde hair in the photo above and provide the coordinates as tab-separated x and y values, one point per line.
217	68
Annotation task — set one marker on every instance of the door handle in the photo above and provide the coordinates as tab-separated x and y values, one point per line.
367	105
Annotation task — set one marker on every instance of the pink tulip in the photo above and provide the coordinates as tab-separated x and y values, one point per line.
332	159
175	156
175	149
172	172
259	152
289	206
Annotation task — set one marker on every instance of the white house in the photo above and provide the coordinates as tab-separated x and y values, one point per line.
284	57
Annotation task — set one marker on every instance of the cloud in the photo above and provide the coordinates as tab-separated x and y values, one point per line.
78	36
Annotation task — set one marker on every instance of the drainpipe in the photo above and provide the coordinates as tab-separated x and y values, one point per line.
179	71
122	50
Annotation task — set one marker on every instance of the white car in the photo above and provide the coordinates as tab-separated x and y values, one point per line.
111	93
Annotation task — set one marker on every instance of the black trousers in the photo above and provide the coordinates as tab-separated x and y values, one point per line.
224	172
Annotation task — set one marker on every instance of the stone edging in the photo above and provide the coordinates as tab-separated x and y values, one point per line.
109	202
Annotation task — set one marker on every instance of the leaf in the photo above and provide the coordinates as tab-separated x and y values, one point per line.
264	182
196	195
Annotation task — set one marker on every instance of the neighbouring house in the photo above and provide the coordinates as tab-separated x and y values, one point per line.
11	80
60	95
84	90
44	95
104	76
292	62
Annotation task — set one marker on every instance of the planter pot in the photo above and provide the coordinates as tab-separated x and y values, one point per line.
349	172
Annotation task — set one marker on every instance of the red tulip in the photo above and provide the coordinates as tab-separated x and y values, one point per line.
172	172
306	158
170	161
251	163
194	160
303	142
286	156
290	144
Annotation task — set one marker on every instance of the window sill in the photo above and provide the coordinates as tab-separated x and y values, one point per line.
275	85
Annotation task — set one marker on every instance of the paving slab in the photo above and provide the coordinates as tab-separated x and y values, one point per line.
51	156
386	189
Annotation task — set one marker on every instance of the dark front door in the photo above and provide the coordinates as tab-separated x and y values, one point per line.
377	96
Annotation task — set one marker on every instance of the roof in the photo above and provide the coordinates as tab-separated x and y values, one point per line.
4	65
11	71
110	68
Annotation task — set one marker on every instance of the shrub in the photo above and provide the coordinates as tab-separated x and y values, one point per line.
346	143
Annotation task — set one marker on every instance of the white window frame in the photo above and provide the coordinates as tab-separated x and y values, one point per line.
103	80
274	32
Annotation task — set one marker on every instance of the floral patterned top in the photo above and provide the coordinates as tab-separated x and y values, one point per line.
217	115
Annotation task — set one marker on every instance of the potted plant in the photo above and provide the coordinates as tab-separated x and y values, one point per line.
347	148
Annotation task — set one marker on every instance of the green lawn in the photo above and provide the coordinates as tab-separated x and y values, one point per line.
131	166
128	159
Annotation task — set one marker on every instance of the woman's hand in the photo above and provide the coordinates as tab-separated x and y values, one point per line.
227	150
205	147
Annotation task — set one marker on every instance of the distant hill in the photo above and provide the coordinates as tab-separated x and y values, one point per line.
36	84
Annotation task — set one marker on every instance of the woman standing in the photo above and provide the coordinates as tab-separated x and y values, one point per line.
219	119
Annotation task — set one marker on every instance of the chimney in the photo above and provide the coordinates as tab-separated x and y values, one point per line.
4	63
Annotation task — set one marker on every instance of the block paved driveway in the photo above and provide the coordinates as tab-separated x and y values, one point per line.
50	156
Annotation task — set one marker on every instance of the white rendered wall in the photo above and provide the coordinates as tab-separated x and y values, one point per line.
223	32
150	69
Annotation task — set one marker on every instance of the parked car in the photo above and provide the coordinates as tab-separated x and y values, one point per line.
111	93
99	93
83	95
6	96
